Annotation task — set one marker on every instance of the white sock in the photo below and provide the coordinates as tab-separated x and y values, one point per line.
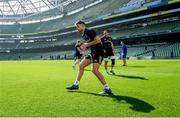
111	68
106	86
76	82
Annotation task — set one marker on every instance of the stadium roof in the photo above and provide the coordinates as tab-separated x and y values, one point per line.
18	9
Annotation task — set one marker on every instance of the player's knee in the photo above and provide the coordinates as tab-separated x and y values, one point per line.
81	67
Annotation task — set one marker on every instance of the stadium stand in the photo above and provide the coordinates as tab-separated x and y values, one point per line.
169	50
147	30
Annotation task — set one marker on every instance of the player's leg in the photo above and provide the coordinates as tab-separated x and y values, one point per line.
112	64
98	74
75	63
124	60
95	69
75	60
105	65
85	62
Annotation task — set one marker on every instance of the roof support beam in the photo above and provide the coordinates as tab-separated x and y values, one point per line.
22	6
46	4
10	7
33	6
18	9
1	12
55	5
51	3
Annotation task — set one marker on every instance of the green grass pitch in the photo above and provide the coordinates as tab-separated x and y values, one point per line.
37	88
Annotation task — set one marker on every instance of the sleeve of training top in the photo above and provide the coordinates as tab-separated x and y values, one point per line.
91	34
77	46
111	40
102	40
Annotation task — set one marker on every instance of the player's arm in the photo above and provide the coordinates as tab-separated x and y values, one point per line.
94	42
78	48
112	45
94	39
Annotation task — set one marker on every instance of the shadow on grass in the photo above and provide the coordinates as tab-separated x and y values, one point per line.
137	66
88	70
130	77
124	76
136	104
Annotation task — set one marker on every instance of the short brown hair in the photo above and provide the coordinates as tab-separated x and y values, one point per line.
80	22
106	30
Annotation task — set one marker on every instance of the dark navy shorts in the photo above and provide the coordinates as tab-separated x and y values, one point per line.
95	58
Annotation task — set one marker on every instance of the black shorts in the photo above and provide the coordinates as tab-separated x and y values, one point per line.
108	54
95	58
78	56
